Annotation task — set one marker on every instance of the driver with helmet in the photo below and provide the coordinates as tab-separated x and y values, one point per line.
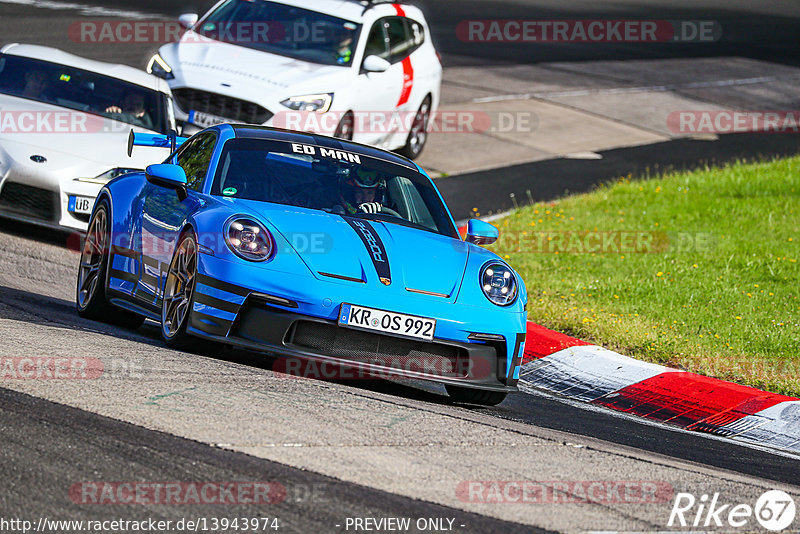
361	191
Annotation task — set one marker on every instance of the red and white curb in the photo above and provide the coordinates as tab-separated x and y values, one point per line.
580	371
572	368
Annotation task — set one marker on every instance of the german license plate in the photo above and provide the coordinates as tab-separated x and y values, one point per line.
385	321
206	120
80	205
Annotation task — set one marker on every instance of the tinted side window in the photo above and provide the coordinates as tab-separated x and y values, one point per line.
376	42
195	159
405	36
83	90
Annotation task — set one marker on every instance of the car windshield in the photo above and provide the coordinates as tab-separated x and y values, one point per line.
280	29
82	90
332	180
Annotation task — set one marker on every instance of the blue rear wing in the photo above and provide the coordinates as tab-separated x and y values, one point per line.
170	140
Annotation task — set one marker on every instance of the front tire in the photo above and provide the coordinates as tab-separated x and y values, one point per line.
178	298
345	128
90	293
179	293
418	135
475	396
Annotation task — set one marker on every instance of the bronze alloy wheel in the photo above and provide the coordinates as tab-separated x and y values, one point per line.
92	258
179	289
90	294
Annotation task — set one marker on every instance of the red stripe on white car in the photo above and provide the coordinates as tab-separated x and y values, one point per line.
408	81
408	69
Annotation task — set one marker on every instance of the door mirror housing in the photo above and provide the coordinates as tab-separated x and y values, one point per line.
375	64
187	20
169	176
481	233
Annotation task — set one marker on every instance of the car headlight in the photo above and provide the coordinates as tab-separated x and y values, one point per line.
160	68
108	175
248	239
499	283
320	103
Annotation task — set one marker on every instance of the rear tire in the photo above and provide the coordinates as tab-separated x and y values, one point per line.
90	293
475	396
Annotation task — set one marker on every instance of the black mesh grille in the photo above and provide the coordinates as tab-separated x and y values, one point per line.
391	352
224	106
30	201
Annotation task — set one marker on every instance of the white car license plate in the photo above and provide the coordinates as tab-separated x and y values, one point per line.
80	205
206	120
386	321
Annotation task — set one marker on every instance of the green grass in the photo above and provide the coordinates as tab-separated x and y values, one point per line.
718	292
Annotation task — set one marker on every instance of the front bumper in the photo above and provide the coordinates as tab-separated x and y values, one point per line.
80	190
322	124
263	323
274	114
45	205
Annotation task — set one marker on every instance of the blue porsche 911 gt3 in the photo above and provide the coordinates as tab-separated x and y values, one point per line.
305	246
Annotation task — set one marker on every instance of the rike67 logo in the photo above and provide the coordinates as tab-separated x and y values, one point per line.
774	510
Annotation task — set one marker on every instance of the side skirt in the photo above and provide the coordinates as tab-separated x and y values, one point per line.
121	302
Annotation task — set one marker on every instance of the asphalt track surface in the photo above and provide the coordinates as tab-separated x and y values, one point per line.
48	446
763	30
547	180
72	443
87	433
542	411
767	31
760	30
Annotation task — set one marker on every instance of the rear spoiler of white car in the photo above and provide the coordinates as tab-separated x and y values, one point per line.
170	140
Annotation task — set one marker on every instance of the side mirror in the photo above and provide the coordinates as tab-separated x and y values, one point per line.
481	233
169	176
375	64
187	20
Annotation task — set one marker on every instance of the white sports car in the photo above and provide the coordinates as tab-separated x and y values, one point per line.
359	70
64	121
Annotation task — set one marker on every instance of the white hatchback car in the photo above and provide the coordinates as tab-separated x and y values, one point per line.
359	70
64	124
